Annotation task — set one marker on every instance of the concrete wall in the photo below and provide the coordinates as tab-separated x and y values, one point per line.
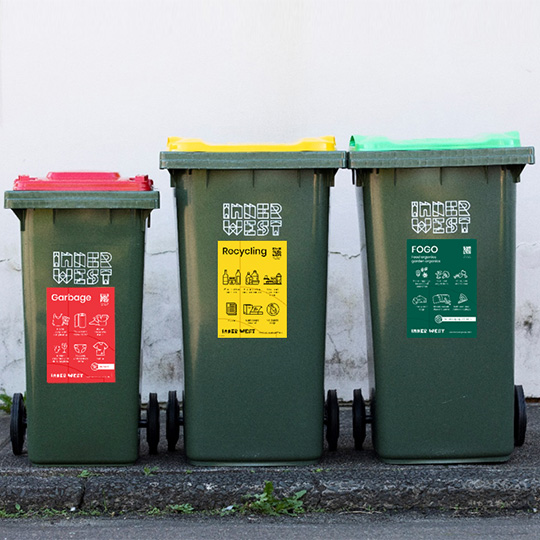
99	85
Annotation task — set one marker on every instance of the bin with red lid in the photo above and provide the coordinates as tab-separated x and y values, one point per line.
82	240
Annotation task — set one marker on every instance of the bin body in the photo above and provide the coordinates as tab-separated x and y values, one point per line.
82	266
440	241
252	231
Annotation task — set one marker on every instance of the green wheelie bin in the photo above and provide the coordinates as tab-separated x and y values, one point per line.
253	240
82	238
439	223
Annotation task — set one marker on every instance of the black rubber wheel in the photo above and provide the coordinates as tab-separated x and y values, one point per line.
172	427
520	416
332	420
152	425
359	419
17	427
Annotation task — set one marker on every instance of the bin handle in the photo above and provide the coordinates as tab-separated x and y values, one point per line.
146	221
515	171
21	214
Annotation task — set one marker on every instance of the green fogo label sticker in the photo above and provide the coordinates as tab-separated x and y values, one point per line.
441	288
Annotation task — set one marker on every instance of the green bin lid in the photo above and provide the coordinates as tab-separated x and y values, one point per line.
484	150
383	144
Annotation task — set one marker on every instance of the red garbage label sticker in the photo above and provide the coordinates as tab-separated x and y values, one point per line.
80	335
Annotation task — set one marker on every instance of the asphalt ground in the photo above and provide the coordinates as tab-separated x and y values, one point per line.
344	480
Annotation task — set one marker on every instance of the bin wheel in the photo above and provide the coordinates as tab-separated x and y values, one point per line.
172	427
17	427
332	420
520	416
359	419
152	425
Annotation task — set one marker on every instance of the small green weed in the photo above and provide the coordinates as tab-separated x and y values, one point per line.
43	512
52	512
48	512
19	512
267	503
92	512
6	401
85	473
150	471
185	508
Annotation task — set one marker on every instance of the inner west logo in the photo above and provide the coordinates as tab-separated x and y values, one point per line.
440	217
79	268
246	219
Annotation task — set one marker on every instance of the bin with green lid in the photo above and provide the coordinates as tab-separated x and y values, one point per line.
439	223
82	238
253	239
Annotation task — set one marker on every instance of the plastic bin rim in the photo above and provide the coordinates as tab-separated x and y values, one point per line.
331	161
143	200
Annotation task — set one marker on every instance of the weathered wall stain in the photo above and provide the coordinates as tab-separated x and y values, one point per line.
527	321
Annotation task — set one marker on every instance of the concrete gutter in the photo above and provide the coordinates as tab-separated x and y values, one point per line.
344	480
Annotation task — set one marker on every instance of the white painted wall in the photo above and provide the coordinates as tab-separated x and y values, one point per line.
100	84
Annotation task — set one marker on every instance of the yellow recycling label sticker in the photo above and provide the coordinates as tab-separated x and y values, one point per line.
252	289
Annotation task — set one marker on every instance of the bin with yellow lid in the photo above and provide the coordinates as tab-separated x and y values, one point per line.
253	240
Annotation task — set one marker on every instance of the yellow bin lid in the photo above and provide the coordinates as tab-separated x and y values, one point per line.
320	144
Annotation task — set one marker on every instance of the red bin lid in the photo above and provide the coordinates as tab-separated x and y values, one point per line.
83	181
